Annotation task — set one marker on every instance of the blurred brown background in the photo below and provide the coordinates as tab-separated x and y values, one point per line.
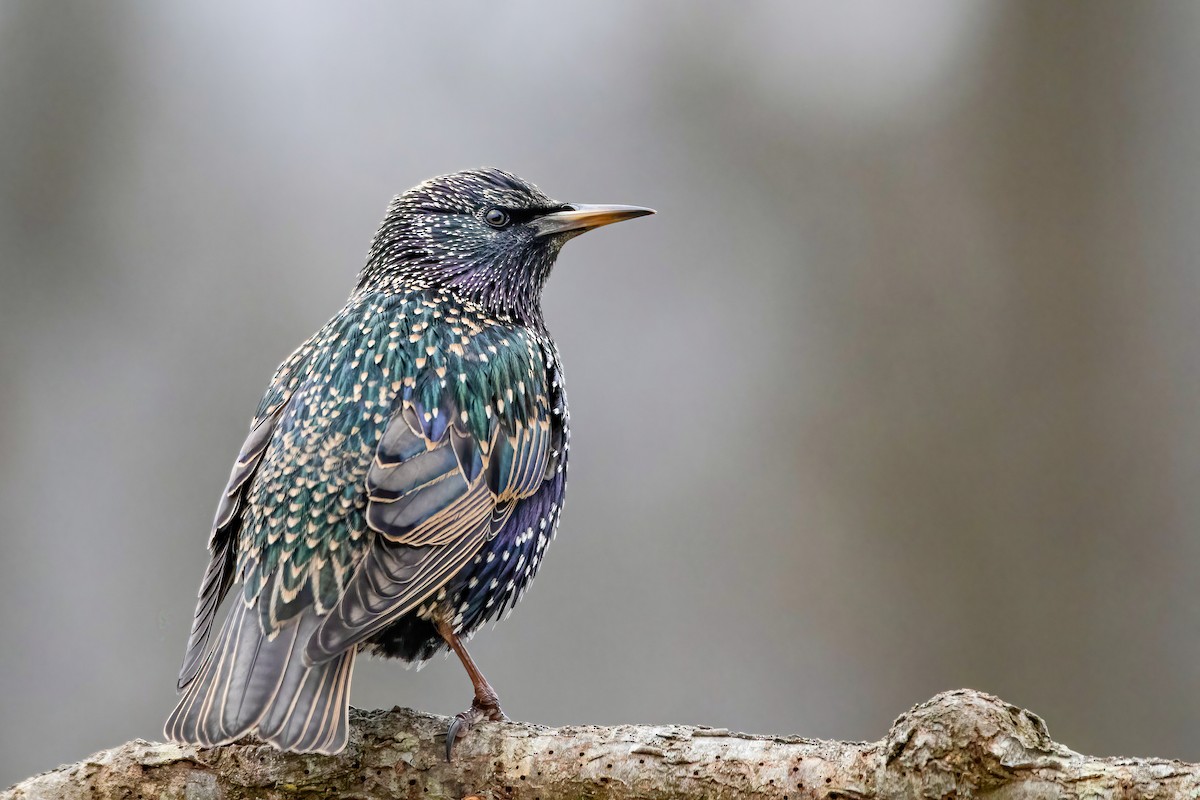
897	394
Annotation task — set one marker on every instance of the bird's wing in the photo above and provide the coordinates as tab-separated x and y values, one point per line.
218	577
436	492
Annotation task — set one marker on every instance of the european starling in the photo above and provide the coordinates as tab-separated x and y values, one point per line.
403	473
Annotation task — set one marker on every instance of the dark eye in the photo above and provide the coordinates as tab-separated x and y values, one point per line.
496	218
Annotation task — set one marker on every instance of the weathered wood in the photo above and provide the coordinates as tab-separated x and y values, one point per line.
961	744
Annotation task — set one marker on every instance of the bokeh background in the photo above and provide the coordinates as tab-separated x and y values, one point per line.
898	393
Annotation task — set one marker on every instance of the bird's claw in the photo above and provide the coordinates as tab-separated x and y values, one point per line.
458	728
464	721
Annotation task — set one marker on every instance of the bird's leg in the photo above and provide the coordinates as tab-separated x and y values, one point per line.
486	704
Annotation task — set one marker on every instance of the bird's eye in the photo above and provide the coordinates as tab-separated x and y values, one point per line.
496	218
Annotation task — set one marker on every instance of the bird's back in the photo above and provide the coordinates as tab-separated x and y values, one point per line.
437	370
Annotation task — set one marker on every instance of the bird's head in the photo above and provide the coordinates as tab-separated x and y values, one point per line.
484	234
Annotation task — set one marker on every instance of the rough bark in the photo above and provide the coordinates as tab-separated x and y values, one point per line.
961	744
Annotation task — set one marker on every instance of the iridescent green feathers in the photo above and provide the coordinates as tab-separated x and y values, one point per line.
388	449
460	377
437	492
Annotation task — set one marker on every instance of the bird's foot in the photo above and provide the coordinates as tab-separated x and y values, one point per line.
481	709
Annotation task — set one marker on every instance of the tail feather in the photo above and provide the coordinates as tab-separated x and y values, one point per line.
250	683
315	718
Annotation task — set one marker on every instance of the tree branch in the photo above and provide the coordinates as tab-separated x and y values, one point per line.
961	744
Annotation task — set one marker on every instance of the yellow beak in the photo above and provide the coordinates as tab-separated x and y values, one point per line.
581	217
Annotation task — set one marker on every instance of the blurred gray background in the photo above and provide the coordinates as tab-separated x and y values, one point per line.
898	393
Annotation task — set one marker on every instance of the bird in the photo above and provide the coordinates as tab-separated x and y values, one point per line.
402	475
